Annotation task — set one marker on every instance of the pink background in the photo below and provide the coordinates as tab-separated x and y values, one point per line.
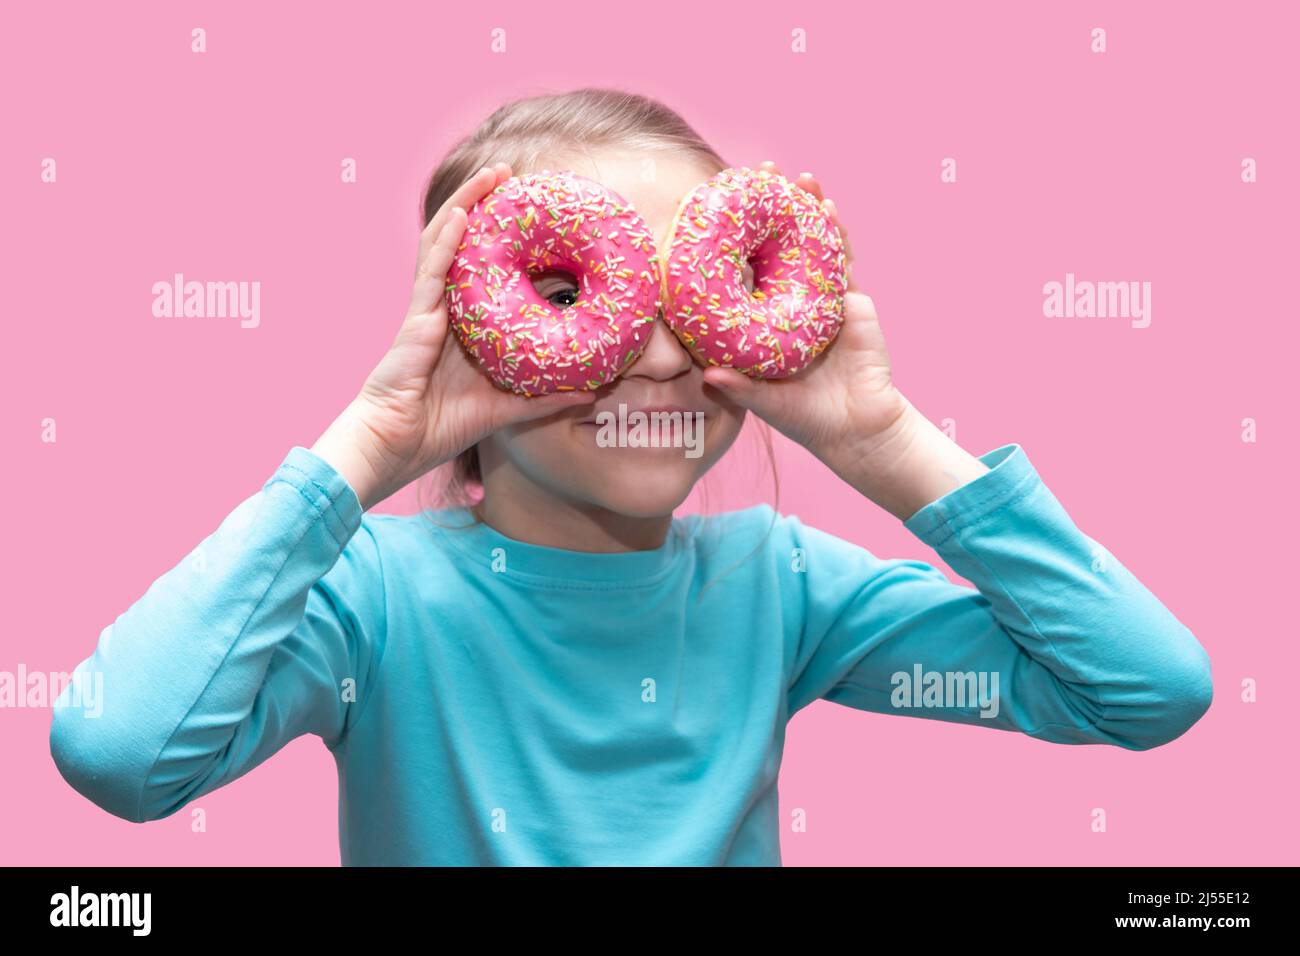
1120	166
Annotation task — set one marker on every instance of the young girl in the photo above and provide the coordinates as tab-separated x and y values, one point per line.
563	672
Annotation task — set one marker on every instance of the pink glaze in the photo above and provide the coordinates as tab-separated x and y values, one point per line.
554	221
797	306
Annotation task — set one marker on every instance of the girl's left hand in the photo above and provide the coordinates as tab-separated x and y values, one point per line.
845	401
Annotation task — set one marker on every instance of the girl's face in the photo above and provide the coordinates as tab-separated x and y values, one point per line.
565	459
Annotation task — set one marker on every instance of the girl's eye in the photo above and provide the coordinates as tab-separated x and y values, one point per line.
558	288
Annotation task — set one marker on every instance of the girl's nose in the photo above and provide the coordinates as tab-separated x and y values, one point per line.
664	357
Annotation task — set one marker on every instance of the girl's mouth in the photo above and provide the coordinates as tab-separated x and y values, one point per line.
604	415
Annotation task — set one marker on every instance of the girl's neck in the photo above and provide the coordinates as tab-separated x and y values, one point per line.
520	509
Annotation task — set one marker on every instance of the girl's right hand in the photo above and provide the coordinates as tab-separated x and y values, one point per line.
427	401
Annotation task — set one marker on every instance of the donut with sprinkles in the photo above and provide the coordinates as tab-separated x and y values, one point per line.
796	308
554	221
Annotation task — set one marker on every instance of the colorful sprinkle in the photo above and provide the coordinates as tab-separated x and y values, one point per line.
797	305
547	221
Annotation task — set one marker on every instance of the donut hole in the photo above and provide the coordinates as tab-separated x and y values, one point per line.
749	276
556	286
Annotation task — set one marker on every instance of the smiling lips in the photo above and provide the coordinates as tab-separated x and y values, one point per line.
647	410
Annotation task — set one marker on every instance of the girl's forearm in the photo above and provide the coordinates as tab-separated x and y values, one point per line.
908	466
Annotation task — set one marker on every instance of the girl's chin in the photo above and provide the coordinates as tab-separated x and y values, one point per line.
638	467
640	491
642	507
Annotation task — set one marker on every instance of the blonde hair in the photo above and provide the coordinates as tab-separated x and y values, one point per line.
534	130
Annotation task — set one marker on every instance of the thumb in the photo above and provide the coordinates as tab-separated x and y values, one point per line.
520	409
744	391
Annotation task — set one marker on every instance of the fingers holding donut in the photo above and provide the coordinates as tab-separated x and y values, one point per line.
431	274
470	192
805	181
834	211
808	182
441	237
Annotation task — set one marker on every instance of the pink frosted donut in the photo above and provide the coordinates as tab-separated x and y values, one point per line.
554	221
797	306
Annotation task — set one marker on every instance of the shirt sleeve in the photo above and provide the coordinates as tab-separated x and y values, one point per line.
268	630
1069	646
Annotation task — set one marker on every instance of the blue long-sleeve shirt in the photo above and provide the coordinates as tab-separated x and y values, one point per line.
489	701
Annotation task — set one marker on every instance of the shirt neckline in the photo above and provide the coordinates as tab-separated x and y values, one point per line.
489	548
